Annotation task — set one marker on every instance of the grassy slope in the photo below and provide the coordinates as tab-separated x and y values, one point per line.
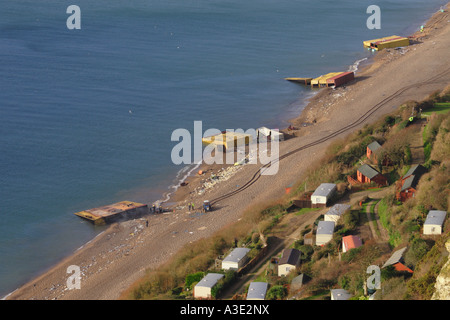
321	264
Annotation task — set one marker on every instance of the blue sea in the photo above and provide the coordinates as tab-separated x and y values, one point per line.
87	115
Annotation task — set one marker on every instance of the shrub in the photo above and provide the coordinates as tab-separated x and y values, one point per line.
351	219
306	250
193	278
230	276
417	249
351	255
277	293
392	289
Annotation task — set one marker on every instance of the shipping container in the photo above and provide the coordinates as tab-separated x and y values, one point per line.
390	42
340	79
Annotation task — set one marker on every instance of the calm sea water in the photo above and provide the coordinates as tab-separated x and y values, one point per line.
87	115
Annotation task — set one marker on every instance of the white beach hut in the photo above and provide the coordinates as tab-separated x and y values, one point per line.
203	288
336	212
434	222
257	291
324	232
323	193
236	259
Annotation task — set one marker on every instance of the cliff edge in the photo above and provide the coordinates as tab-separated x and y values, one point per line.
442	285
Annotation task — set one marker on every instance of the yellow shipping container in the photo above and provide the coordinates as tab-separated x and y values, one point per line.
391	43
229	140
322	80
386	42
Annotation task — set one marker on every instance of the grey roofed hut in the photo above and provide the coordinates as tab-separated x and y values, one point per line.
368	171
235	259
324	232
434	222
298	281
289	261
410	182
204	286
417	169
396	257
336	212
323	193
374	146
257	291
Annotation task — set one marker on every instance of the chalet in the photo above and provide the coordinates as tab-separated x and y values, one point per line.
299	281
203	288
371	149
257	290
415	170
336	211
289	261
236	259
350	242
324	232
367	174
408	183
434	222
396	260
323	194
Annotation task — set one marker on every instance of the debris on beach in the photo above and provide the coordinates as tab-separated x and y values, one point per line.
222	175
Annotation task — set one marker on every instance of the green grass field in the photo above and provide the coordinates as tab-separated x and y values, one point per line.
439	108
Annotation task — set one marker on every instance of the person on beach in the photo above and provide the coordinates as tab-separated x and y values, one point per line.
190	206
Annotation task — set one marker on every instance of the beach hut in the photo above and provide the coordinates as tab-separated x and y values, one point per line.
368	174
322	194
408	183
371	149
290	260
371	153
336	212
257	290
434	222
340	294
350	242
203	288
324	232
299	281
396	260
236	259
